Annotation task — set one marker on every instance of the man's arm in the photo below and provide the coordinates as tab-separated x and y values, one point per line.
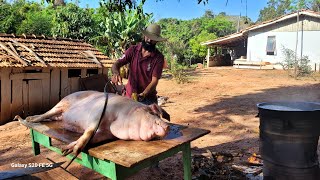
116	78
116	68
151	87
125	59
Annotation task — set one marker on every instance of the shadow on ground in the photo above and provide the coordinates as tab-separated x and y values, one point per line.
246	105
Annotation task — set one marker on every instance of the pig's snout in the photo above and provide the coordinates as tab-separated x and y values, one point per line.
162	128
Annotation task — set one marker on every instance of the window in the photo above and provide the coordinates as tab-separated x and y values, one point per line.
74	73
271	45
33	71
91	72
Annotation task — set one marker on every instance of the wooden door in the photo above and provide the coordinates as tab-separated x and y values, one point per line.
35	96
30	93
17	98
74	84
32	97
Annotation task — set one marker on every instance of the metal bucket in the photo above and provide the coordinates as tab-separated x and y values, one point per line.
289	134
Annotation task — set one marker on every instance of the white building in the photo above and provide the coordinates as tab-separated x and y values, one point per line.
263	44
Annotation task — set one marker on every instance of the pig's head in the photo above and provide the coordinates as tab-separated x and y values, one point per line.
160	128
152	126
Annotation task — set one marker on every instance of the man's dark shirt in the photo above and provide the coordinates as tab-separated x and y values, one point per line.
142	70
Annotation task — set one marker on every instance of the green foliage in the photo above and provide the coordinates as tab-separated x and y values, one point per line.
113	31
6	19
305	4
184	37
200	50
219	25
37	23
123	5
13	14
295	66
179	72
71	21
208	14
118	30
276	8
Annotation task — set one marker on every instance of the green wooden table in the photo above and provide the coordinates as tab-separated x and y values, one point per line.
120	159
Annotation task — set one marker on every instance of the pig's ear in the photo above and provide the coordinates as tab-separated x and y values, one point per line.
159	111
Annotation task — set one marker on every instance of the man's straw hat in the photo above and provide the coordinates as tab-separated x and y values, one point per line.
153	32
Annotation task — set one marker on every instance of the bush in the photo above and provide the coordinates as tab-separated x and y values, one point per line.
179	72
295	66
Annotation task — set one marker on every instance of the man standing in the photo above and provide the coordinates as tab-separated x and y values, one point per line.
146	65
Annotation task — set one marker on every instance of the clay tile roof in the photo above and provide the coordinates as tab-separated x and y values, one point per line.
41	51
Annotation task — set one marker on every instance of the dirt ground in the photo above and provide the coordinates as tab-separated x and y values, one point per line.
222	100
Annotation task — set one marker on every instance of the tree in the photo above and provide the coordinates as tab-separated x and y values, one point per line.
306	4
315	6
13	14
118	30
38	21
197	49
278	8
220	25
71	21
222	14
208	14
123	5
275	8
56	2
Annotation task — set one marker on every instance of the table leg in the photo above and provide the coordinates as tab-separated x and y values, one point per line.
35	145
187	161
104	167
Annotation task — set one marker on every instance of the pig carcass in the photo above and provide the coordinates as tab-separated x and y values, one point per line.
123	118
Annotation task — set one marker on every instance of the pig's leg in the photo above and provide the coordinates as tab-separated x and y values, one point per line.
77	146
53	112
157	110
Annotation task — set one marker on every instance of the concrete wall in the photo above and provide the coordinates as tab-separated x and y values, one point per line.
307	42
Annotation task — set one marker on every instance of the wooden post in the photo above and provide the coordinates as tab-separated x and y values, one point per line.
65	89
17	105
5	95
105	71
208	56
295	57
100	71
83	73
54	86
46	90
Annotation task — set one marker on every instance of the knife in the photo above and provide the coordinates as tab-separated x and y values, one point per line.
26	171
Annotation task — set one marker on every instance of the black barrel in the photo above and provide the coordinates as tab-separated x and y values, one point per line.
289	134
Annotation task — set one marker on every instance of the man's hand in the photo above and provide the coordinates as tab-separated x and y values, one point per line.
116	79
141	96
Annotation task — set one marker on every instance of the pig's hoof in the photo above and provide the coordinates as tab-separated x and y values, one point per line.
29	119
35	118
69	148
65	152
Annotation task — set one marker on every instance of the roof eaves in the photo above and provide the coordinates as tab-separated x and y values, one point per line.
282	18
229	37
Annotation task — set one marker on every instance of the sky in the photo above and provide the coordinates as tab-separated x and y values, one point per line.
190	9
